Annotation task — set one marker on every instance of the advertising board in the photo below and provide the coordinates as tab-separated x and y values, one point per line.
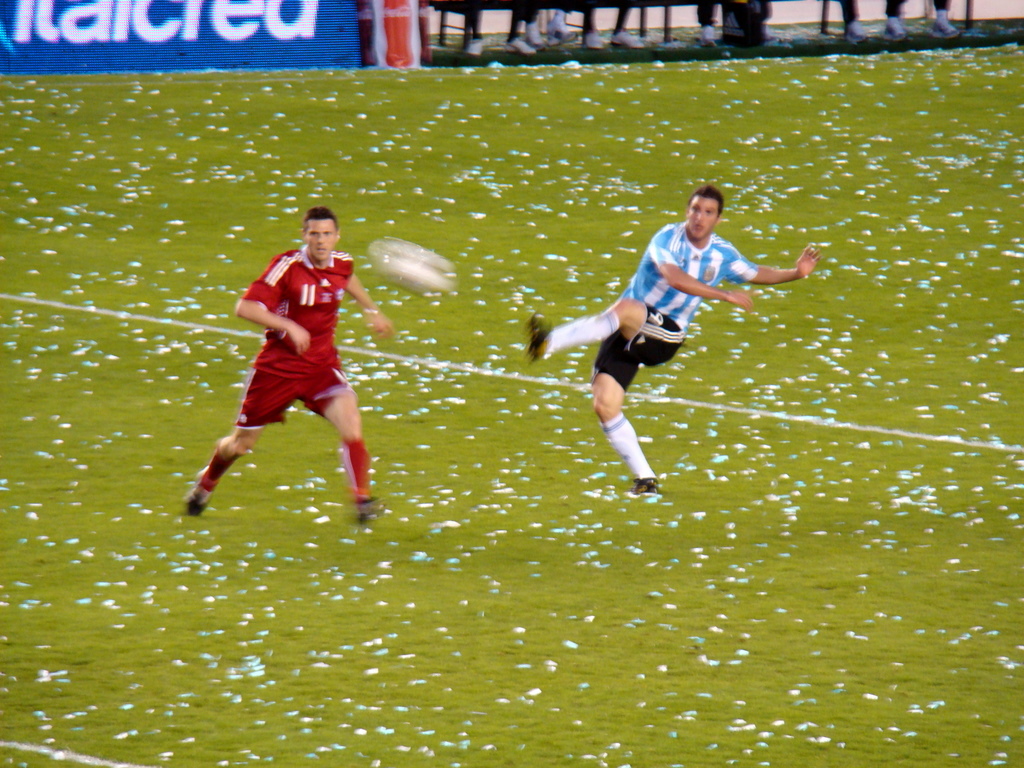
85	36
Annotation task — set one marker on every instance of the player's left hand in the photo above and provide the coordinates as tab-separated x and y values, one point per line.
808	261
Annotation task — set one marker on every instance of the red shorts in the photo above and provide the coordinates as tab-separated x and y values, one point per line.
267	396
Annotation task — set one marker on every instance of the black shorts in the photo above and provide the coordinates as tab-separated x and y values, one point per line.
658	341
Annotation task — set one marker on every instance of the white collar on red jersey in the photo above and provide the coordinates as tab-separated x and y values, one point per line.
304	253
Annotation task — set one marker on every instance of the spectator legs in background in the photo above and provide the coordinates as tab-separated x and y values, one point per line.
942	27
706	22
766	13
473	44
524	12
533	35
591	37
620	36
894	29
854	31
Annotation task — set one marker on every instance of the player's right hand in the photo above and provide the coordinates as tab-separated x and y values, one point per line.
299	337
741	299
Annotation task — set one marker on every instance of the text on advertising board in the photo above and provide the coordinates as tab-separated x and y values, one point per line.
102	21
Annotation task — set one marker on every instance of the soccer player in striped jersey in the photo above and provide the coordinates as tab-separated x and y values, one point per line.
682	266
296	300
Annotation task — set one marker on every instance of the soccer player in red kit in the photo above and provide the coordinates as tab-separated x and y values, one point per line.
296	300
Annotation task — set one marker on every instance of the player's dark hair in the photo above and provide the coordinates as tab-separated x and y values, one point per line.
711	192
319	213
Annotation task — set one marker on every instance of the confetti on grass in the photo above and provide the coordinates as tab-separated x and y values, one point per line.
781	553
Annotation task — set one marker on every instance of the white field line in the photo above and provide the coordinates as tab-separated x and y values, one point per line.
753	413
67	755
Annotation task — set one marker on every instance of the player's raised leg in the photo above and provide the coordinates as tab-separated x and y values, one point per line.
228	449
625	316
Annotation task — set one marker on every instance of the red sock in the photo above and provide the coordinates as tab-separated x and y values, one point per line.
215	470
357	465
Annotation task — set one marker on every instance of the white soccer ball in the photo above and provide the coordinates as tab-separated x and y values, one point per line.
412	266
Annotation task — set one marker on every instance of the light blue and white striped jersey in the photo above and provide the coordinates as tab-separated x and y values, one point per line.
719	261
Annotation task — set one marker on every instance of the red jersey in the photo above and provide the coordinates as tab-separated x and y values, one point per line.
309	295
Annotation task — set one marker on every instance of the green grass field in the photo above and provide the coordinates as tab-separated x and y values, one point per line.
832	577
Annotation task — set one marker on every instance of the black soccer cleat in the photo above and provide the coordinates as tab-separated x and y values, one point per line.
369	510
196	500
538	332
645	485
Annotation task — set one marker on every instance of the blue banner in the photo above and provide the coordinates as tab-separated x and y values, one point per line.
83	36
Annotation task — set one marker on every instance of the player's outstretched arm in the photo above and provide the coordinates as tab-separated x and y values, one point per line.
805	265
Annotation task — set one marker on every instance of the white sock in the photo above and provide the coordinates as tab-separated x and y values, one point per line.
558	20
586	330
942	17
622	436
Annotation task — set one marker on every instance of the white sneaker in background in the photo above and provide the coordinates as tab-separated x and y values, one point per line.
558	30
533	36
520	46
475	48
559	37
707	36
894	29
624	39
943	28
855	33
593	41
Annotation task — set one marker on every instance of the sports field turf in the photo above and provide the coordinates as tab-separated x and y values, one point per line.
832	576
